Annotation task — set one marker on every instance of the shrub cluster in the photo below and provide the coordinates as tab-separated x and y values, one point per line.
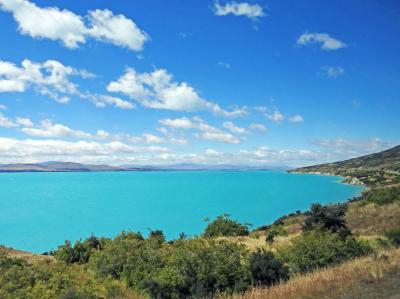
382	196
317	249
223	226
329	218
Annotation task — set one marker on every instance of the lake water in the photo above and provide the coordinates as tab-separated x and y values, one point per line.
38	211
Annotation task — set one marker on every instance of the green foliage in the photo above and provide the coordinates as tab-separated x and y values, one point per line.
316	249
274	231
382	196
223	226
330	218
266	269
180	269
47	279
80	252
393	235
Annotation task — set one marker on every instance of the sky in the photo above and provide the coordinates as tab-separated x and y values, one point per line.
272	82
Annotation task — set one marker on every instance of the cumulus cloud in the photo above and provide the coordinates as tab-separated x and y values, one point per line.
150	138
5	122
49	78
349	148
158	90
296	118
53	79
205	130
258	127
252	11
72	29
23	121
275	116
102	101
331	71
233	128
218	136
327	42
177	123
48	129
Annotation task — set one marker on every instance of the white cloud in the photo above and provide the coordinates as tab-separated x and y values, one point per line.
327	42
178	141
233	128
150	138
213	153
51	78
218	136
48	78
117	30
260	108
206	131
48	129
3	107
23	121
162	130
6	122
158	90
252	11
72	29
349	148
275	116
102	101
332	71
258	127
177	123
296	118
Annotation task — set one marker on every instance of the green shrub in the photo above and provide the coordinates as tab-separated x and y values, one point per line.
180	269
266	269
224	226
274	231
317	249
382	196
80	252
393	235
330	218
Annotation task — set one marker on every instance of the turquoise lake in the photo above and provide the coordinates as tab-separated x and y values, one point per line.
39	211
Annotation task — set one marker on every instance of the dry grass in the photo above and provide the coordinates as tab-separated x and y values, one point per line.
372	219
368	277
27	256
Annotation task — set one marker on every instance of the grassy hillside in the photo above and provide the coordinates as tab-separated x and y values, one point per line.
379	169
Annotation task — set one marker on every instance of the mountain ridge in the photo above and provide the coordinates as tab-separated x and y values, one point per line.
378	169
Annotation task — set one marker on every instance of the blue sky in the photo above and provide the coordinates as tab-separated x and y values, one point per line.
160	82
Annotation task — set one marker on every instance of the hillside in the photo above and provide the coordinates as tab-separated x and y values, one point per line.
379	169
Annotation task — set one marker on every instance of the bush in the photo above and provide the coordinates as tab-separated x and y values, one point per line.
330	218
274	231
265	269
382	196
181	269
393	235
80	252
317	249
223	226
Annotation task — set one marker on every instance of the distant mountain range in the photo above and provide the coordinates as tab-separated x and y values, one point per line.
56	166
381	168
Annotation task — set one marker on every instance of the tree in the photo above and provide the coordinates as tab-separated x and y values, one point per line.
320	248
266	269
223	226
331	218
